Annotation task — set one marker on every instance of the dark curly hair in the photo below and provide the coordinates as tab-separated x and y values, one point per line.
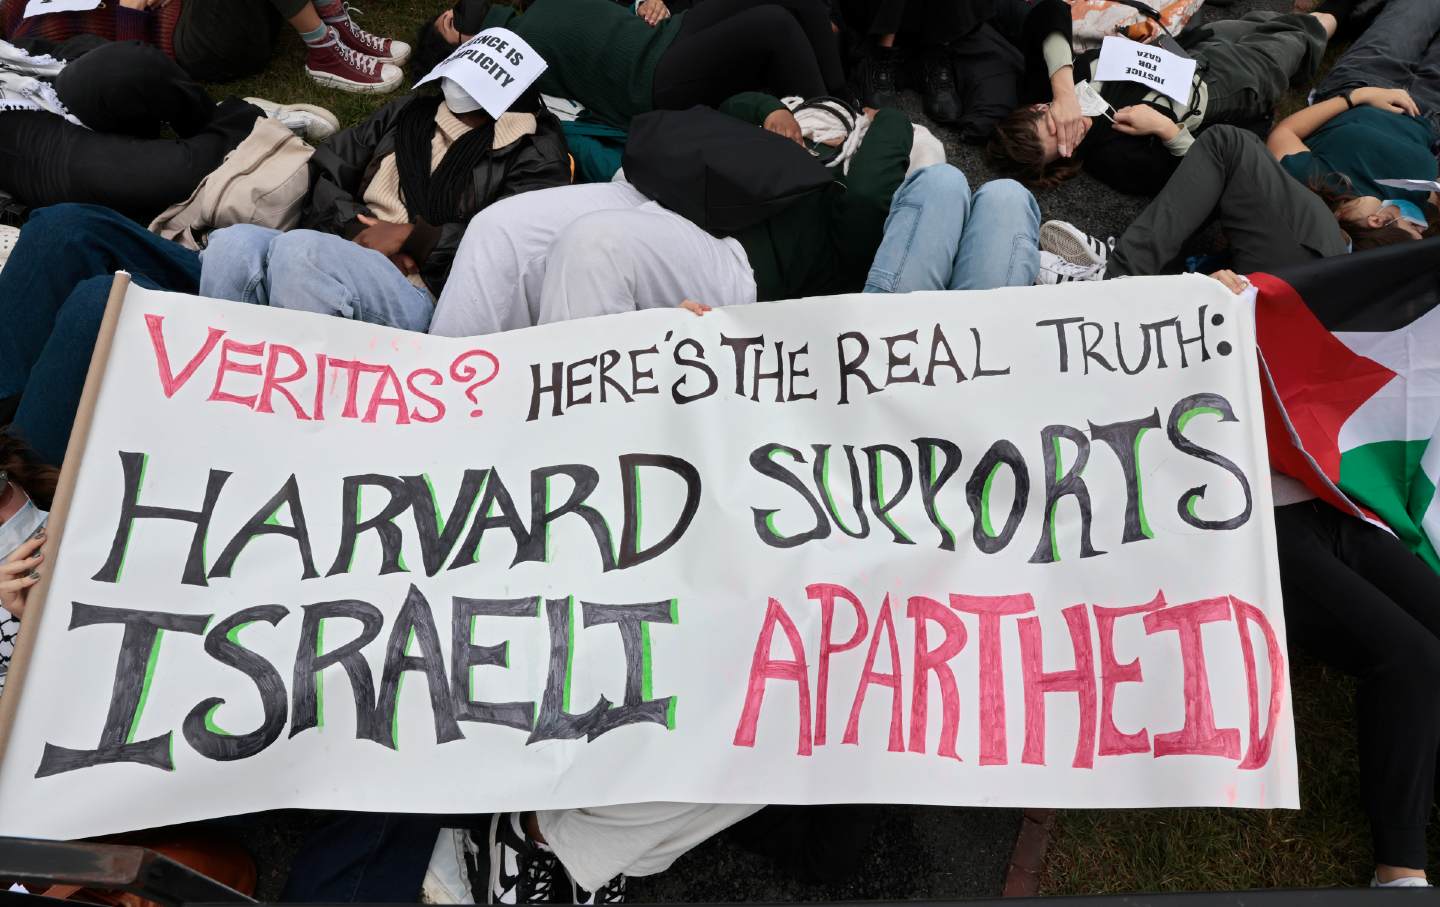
1016	151
25	469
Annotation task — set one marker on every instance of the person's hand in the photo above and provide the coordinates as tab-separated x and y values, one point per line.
783	123
405	263
387	239
1394	100
1233	282
1066	122
1142	119
143	4
697	308
653	11
19	573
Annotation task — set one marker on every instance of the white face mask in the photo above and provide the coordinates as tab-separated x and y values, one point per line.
20	527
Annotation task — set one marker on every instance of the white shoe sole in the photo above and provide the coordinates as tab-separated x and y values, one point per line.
384	86
1069	243
326	119
490	857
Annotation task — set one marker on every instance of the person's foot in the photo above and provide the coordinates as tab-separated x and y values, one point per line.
1402	882
337	65
612	892
880	78
1055	270
386	50
447	878
521	871
311	123
8	237
937	85
1073	244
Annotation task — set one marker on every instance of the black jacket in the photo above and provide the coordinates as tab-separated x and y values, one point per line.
343	167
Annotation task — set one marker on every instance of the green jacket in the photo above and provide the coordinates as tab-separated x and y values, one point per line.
600	53
824	243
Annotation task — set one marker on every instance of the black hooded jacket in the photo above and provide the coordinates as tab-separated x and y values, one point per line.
342	168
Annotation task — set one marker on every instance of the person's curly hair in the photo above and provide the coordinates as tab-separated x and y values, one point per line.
25	469
1016	151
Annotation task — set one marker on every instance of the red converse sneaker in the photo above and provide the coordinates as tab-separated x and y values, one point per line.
386	50
338	66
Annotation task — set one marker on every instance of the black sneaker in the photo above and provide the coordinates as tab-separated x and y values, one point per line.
612	892
937	85
521	871
880	78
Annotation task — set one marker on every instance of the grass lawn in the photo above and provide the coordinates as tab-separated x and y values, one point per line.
285	81
1326	843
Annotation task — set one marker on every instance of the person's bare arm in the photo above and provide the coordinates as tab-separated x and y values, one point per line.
1289	135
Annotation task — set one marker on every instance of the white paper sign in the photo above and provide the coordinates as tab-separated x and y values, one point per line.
494	67
1011	548
1123	60
41	7
1412	185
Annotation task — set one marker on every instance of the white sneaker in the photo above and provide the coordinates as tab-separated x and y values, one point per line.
1054	269
1402	882
9	236
1073	244
447	878
313	124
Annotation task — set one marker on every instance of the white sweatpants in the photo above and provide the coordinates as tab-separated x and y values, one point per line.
636	839
576	251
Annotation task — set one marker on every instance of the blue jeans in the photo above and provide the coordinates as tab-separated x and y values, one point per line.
309	271
940	236
52	296
368	858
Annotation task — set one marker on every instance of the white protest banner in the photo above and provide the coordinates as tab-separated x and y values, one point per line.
1123	60
494	67
42	7
1004	548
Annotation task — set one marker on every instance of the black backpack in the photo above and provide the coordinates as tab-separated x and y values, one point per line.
717	171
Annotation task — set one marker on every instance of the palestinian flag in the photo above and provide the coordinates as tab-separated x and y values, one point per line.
1350	350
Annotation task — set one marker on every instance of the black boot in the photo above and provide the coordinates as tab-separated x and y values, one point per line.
937	85
880	78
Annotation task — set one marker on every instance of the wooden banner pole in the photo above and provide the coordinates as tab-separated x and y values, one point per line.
59	509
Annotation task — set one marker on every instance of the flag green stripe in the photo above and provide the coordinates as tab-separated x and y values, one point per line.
1386	477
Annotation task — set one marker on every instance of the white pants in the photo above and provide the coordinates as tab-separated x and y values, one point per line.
636	839
576	251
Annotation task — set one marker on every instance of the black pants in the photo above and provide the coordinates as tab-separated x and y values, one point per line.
224	40
1358	600
124	92
784	47
1271	219
925	22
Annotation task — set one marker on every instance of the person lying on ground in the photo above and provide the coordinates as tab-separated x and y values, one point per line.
1270	219
619	65
224	40
1363	136
94	136
916	35
1365	605
26	488
388	209
597	249
1244	66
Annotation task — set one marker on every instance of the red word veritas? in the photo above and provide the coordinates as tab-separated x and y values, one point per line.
282	370
1093	679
